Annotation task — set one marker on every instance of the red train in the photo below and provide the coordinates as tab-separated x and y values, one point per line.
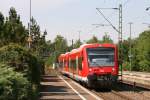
91	64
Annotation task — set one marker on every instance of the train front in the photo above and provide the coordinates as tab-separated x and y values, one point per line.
102	66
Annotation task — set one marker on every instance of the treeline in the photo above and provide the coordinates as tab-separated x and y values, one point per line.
140	53
20	67
140	50
60	46
12	30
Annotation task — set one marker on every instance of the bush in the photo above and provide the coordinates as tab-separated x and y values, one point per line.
13	86
23	61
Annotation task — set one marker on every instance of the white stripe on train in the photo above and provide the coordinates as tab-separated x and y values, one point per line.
77	77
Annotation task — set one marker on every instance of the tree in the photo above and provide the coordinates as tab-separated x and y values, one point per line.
22	60
143	51
1	28
124	53
14	30
106	39
77	44
35	35
93	40
60	46
60	43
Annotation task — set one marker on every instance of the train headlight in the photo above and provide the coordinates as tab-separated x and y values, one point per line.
90	69
113	69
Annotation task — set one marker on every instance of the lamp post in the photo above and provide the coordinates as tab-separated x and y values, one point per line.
130	55
29	37
147	24
79	34
147	8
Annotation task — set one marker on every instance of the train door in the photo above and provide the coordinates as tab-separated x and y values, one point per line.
80	59
77	65
84	63
63	64
69	69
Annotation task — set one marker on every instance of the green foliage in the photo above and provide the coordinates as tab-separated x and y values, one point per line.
58	47
94	39
13	86
143	51
77	44
140	52
125	50
50	61
13	37
13	29
22	61
107	39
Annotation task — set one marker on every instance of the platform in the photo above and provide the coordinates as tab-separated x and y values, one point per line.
62	88
141	78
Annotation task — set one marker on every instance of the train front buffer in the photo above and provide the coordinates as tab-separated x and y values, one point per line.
102	77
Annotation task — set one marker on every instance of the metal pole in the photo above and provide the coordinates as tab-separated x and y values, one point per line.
108	20
29	38
120	37
118	30
130	55
72	44
79	35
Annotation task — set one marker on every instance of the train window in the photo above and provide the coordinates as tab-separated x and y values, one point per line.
100	56
69	63
66	63
77	62
63	63
73	64
80	63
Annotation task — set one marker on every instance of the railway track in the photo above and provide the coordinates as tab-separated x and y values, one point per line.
116	94
123	91
131	92
135	84
112	95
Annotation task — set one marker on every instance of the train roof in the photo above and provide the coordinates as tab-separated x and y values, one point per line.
92	45
97	45
77	50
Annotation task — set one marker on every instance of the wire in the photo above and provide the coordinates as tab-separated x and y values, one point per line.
111	14
108	20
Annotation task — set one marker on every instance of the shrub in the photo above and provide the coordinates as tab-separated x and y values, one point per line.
23	61
13	86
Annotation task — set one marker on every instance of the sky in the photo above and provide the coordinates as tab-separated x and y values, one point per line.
70	18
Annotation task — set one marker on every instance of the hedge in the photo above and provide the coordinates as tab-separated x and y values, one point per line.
13	86
22	60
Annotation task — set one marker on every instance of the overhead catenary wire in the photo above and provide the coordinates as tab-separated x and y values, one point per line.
108	20
111	14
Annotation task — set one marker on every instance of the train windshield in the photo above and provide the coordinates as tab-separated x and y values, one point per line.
100	56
